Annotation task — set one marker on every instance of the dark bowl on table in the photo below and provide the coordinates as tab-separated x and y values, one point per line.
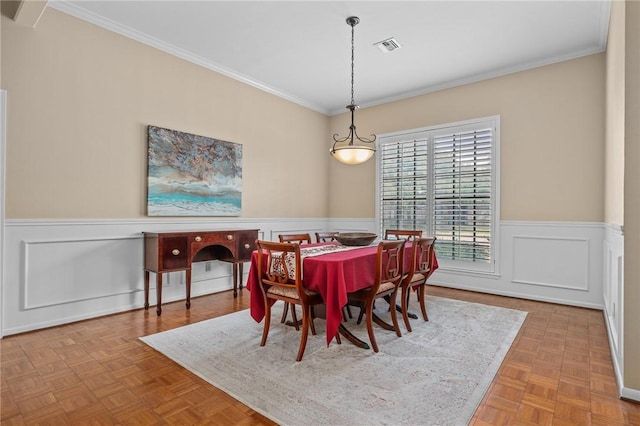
355	238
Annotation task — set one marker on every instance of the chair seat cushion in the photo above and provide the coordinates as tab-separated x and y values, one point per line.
417	278
291	293
385	287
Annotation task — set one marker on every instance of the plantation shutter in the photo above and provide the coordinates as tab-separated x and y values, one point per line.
443	180
403	185
462	183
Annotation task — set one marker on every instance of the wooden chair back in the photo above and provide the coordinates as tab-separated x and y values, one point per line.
279	266
405	234
389	265
324	237
295	238
423	254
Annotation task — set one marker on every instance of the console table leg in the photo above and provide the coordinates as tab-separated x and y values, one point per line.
188	273
237	277
146	290
234	265
159	293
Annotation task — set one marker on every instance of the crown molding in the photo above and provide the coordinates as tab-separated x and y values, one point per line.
71	9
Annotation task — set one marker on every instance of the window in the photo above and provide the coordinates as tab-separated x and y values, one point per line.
444	181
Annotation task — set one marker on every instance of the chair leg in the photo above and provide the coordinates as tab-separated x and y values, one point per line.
369	315
285	311
311	325
361	313
294	316
408	297
267	323
394	316
406	290
306	314
422	303
346	312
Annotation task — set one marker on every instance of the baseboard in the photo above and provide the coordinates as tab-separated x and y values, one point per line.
515	295
630	394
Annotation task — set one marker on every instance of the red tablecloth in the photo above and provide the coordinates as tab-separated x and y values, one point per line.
333	275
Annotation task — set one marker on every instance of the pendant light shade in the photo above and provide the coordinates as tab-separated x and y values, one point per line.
353	155
353	149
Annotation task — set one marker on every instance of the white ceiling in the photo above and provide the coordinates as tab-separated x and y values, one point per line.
301	50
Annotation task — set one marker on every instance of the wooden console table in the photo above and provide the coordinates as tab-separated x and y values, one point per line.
175	251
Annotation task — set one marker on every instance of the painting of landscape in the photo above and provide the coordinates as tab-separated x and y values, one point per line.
191	175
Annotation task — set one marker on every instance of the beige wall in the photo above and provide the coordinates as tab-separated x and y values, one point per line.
632	196
614	148
80	98
552	140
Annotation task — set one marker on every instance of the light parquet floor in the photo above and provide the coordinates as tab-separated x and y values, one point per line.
97	372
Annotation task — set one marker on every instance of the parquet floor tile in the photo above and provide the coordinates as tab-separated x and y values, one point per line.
557	372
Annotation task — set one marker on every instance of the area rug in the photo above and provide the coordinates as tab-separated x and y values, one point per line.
436	375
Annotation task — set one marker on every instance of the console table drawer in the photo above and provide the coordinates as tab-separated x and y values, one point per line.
220	237
246	245
174	253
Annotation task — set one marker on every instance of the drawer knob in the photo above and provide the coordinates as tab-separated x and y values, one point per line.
229	237
247	246
175	252
198	238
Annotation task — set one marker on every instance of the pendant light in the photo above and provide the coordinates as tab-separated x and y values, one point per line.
352	149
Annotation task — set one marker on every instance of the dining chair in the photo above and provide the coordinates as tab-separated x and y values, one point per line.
416	277
405	234
324	237
280	279
389	273
292	238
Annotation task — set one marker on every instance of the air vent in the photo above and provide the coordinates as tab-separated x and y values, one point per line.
388	45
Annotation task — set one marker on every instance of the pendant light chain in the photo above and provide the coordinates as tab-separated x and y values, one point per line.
352	61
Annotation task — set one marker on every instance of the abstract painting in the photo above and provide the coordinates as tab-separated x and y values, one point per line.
191	175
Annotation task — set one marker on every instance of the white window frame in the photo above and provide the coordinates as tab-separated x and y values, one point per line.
429	133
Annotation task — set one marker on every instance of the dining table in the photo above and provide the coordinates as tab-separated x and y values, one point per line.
333	274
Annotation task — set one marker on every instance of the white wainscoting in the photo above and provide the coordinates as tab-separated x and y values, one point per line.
66	260
62	271
558	262
613	265
57	272
553	262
